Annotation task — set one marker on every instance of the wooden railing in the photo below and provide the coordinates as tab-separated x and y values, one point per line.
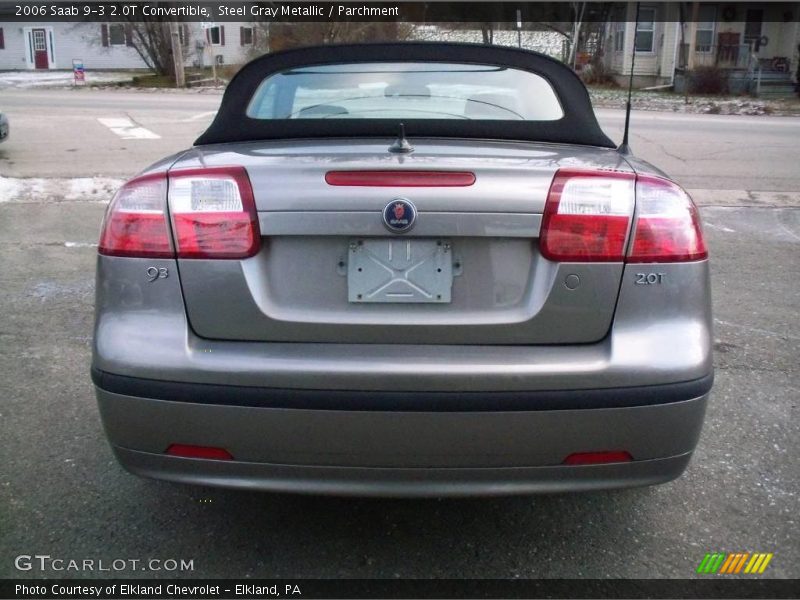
727	56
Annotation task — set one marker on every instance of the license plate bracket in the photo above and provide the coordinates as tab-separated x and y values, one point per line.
399	270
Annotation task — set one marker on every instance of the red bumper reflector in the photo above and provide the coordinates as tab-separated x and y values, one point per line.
598	458
187	451
400	178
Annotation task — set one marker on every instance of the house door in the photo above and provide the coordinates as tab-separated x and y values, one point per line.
728	49
40	49
752	27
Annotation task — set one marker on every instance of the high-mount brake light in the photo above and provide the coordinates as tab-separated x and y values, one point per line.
213	213
587	216
135	223
400	178
667	225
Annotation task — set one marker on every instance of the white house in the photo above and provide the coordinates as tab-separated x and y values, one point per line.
743	39
109	45
656	40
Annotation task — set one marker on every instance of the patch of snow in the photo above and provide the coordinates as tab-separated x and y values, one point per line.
99	189
9	189
79	189
545	41
34	79
712	105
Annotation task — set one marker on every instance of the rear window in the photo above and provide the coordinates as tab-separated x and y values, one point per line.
408	90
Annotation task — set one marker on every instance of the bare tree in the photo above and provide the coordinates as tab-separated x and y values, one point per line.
578	9
584	30
150	38
487	32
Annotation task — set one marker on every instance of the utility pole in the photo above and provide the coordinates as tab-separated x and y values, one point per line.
177	54
690	50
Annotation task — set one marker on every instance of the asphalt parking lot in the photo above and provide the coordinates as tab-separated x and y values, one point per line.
62	494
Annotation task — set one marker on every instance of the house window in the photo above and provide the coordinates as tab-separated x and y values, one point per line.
39	40
704	38
246	35
645	30
215	35
619	36
116	34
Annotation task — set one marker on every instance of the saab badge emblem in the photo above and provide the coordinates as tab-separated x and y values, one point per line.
399	215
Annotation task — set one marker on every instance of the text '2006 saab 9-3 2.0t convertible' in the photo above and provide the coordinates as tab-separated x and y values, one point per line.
403	269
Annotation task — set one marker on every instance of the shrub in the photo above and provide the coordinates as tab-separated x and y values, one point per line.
595	73
708	80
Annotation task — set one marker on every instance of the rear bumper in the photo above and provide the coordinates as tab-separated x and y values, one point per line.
361	481
386	400
402	452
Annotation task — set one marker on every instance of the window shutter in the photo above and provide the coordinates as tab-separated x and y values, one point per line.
222	35
129	35
208	36
2	40
241	36
185	34
104	34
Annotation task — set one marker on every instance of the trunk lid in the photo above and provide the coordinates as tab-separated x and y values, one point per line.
492	287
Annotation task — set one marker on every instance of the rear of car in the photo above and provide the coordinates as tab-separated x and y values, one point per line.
299	304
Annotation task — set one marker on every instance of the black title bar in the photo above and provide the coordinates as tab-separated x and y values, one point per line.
326	11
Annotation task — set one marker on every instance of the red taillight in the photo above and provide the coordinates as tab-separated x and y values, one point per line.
587	215
207	452
213	216
213	213
135	224
667	224
400	178
598	458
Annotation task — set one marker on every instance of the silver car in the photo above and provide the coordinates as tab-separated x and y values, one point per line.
408	270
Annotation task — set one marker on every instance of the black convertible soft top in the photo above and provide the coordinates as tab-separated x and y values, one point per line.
577	126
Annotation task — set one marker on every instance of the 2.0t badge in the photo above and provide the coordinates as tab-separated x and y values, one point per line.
399	215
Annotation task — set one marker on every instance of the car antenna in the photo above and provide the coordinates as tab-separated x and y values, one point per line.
401	144
624	148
